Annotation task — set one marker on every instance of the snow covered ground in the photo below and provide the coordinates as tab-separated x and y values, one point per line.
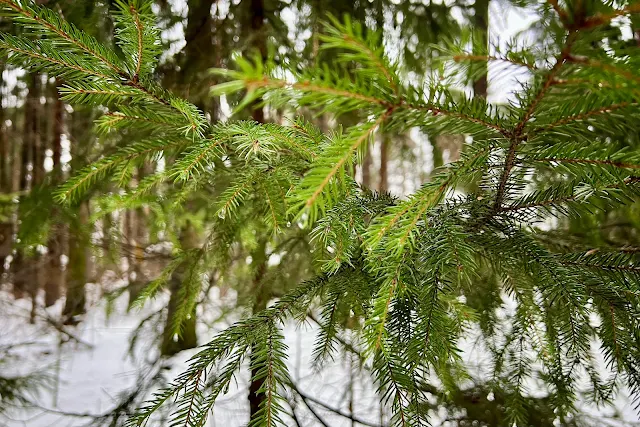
95	366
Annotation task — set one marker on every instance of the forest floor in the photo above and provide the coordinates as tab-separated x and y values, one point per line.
96	366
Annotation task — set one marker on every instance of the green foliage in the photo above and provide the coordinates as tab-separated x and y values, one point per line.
396	271
138	36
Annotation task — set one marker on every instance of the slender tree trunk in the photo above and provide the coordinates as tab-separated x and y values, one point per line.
22	269
11	227
6	227
260	45
128	245
171	344
367	166
262	296
197	58
198	53
259	38
79	230
39	148
106	244
78	265
5	176
137	240
452	144
54	277
384	164
37	134
481	25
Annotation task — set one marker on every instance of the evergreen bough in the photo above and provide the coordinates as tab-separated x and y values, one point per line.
405	270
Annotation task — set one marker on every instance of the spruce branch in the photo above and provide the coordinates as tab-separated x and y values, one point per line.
53	24
349	36
315	183
518	133
309	86
24	50
74	188
594	63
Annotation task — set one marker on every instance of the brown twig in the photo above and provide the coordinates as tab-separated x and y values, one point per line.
599	19
310	399
518	134
139	29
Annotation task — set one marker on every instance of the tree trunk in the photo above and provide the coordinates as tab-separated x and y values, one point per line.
198	53
262	296
6	227
451	145
136	239
481	25
367	166
259	44
384	164
37	168
5	176
79	229
197	58
189	239
78	266
54	277
22	269
259	38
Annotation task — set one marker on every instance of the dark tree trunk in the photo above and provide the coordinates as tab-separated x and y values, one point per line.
137	239
198	54
171	344
259	44
6	227
384	164
5	175
367	166
54	277
78	265
22	269
39	148
262	296
79	228
75	297
481	26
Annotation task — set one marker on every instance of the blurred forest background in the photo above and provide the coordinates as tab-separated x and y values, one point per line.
70	296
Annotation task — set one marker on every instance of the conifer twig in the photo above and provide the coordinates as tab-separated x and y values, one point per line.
583	116
12	4
139	29
356	144
518	133
329	408
600	19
